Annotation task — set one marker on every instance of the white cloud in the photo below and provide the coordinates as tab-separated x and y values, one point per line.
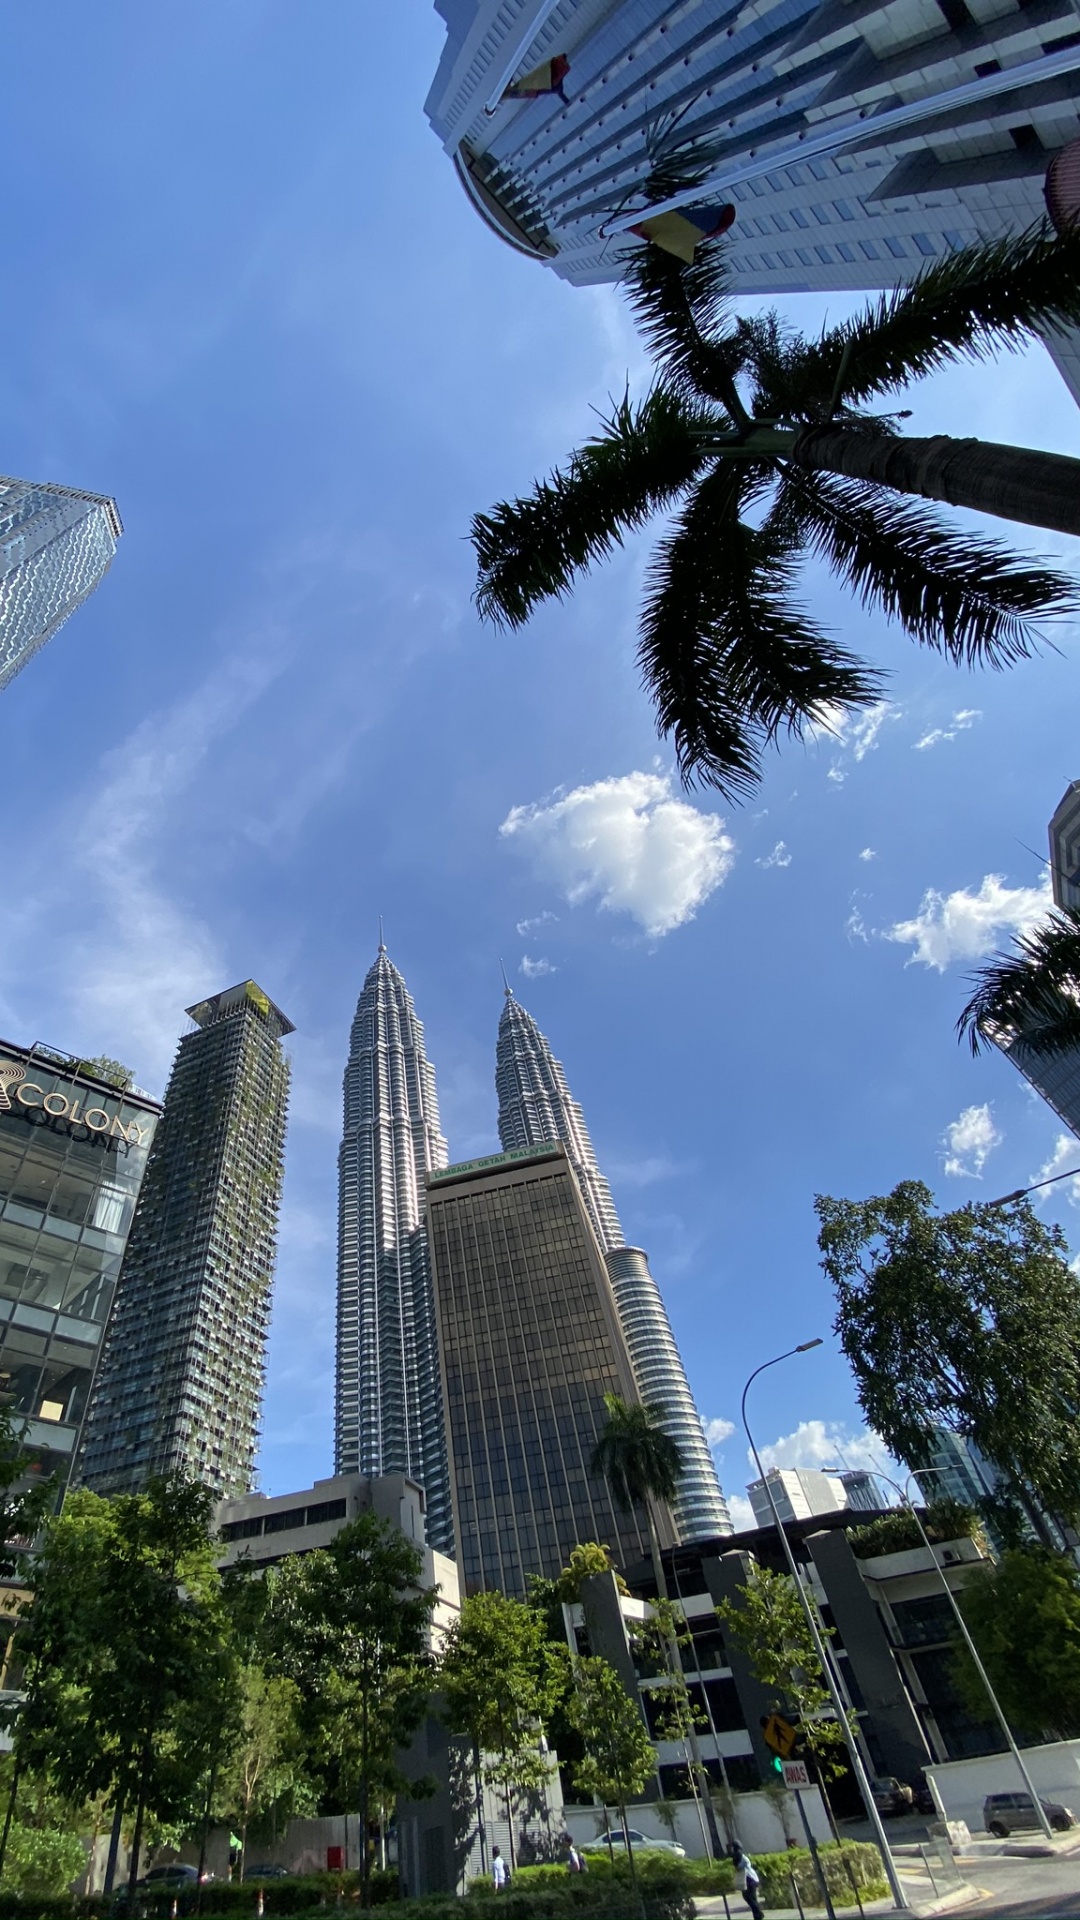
822	1444
868	854
855	926
545	919
959	723
965	925
836	775
969	1140
743	1517
779	857
629	843
717	1431
1065	1156
535	969
862	734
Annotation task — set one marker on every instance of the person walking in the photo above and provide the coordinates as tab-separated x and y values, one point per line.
574	1860
747	1879
499	1873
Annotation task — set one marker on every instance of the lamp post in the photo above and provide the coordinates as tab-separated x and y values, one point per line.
1006	1200
899	1896
905	1495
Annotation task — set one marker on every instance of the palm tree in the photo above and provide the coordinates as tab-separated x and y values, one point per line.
761	447
640	1462
1033	993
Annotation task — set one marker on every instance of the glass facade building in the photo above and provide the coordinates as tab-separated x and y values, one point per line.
180	1384
389	1411
856	141
73	1151
529	1343
1056	1076
56	544
536	1106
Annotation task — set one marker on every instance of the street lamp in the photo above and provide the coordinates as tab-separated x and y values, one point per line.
905	1495
1007	1199
899	1896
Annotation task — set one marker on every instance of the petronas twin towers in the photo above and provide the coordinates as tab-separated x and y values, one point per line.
389	1413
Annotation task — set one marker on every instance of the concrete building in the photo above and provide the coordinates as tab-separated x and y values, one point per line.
56	546
529	1344
798	1492
180	1384
73	1153
535	1107
389	1411
856	141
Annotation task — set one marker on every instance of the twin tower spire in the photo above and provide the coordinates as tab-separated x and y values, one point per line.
389	1413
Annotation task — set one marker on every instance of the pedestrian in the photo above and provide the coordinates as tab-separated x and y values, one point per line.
747	1879
575	1862
499	1873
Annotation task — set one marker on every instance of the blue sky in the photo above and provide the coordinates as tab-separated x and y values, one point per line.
246	296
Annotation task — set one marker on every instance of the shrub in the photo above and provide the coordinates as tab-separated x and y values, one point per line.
864	1861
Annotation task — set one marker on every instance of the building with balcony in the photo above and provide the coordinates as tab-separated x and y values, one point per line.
56	546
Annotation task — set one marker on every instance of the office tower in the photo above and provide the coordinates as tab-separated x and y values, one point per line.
864	1491
389	1413
56	544
799	1492
530	1343
855	142
181	1375
73	1150
535	1107
1057	1076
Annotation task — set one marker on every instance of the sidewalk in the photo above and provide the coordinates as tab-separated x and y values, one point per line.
925	1899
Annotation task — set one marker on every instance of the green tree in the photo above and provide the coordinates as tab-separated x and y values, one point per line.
673	1714
1024	1616
103	1067
619	1758
968	1320
349	1625
120	1648
641	1464
764	448
265	1761
501	1678
769	1626
1032	993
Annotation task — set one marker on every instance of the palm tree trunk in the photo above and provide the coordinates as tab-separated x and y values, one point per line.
1014	483
698	1770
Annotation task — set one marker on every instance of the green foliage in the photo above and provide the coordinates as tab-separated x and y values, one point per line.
746	442
113	1072
42	1860
637	1458
619	1757
502	1678
1031	992
898	1532
968	1320
1024	1617
770	1627
264	1763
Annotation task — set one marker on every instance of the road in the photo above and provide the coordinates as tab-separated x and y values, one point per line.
1030	1888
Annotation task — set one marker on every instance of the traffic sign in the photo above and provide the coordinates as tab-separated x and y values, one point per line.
779	1734
796	1774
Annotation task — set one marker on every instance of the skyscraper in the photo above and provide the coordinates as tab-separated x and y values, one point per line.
536	1107
180	1382
530	1343
73	1150
389	1414
1057	1076
56	544
855	143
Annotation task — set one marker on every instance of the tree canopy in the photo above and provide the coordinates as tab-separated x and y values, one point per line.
1031	995
1024	1617
968	1320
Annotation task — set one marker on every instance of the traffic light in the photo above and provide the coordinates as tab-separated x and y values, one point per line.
777	1764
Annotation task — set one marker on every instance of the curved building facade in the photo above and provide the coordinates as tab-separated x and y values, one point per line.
536	1107
388	1413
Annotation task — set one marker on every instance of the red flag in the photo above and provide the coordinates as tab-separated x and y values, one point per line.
681	231
546	78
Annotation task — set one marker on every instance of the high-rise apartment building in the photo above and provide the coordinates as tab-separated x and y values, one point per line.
530	1342
799	1492
73	1151
389	1413
56	544
1057	1076
856	142
536	1107
180	1382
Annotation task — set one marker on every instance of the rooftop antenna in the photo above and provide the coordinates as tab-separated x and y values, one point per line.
506	983
382	942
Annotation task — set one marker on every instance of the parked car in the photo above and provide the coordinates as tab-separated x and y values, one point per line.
1005	1813
176	1873
636	1840
262	1872
176	1879
924	1799
891	1795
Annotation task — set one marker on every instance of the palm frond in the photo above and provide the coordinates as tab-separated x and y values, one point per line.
971	599
1031	995
966	306
728	657
678	309
531	549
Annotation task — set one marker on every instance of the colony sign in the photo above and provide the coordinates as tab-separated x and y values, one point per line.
17	1091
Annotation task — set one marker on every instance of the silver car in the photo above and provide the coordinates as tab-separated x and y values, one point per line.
636	1840
1005	1813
